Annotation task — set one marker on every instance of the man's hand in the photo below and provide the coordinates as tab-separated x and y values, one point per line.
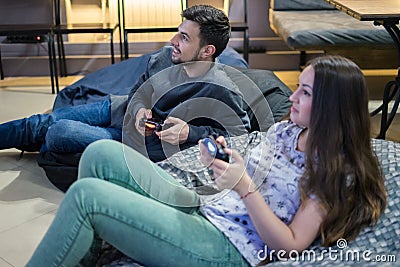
177	132
143	114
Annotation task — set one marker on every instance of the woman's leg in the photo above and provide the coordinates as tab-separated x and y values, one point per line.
114	162
144	229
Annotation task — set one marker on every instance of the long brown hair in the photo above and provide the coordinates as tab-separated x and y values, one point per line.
342	171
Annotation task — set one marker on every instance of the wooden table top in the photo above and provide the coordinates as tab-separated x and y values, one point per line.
369	9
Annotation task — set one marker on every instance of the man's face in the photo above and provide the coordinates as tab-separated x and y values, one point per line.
186	43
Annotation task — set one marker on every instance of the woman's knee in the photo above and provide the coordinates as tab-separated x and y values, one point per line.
101	151
98	156
80	190
84	195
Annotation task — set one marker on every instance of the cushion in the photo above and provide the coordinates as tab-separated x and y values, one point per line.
327	28
264	95
300	5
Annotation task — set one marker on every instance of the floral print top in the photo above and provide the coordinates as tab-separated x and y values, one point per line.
276	167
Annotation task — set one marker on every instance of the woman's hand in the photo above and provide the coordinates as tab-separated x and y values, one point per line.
227	175
205	156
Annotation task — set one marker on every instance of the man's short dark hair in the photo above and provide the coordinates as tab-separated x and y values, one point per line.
214	26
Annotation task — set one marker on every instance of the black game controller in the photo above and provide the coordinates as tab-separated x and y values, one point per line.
152	124
216	150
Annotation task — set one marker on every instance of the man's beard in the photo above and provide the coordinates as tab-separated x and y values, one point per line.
194	58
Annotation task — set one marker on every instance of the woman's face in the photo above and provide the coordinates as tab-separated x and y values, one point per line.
300	111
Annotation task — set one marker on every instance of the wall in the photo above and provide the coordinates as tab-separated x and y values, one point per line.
267	51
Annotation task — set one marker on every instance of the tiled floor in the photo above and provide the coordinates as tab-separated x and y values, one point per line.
28	201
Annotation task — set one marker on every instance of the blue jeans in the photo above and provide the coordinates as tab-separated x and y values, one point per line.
69	129
138	208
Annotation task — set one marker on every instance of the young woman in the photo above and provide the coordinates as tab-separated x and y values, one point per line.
320	179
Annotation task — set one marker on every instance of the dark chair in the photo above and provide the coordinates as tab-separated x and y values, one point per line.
1	68
242	26
76	28
35	28
151	27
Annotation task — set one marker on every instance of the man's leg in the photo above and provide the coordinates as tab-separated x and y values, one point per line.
121	165
32	130
148	231
67	136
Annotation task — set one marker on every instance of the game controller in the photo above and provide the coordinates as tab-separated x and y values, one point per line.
216	150
152	124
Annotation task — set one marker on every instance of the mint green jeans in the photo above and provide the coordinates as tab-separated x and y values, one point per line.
128	201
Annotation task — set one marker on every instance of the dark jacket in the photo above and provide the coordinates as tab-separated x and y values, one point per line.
210	104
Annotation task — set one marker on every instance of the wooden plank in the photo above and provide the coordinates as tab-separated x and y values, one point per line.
369	9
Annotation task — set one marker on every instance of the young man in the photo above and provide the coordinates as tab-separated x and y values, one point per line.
202	36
